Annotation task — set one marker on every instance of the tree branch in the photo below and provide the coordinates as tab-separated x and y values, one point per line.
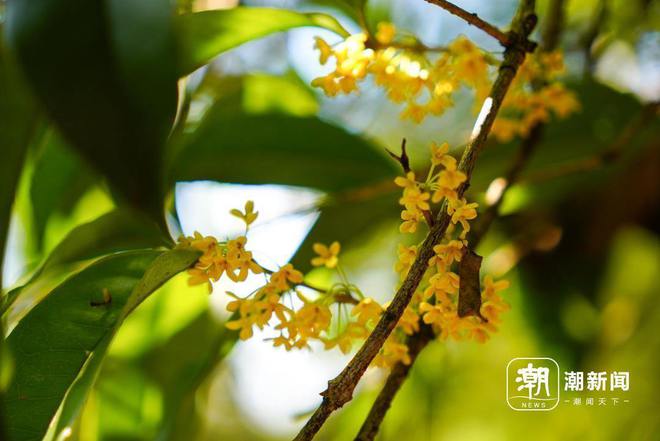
527	147
340	389
505	39
418	341
473	19
395	379
608	155
589	37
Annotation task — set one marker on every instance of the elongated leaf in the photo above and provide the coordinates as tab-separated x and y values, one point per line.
53	342
209	33
59	180
175	369
79	391
349	221
17	125
283	150
181	420
119	230
112	94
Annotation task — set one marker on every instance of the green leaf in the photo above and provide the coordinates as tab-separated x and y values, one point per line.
282	150
287	94
209	33
119	230
116	231
76	396
113	94
349	221
59	180
55	340
604	114
350	8
198	348
292	147
158	319
18	123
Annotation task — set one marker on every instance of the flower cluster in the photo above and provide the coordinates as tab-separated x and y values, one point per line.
534	96
219	258
424	78
405	71
297	326
341	315
441	183
436	299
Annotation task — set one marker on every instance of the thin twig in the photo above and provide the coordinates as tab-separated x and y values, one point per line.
527	147
554	26
402	159
474	20
591	33
418	341
395	379
608	155
340	389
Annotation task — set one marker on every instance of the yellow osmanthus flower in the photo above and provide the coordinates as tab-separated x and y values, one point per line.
313	318
524	106
415	199
447	253
392	353
423	82
309	322
409	321
407	181
217	258
493	304
471	66
327	256
280	279
450	178
243	324
240	260
441	285
434	302
352	59
407	256
249	216
431	313
251	313
324	48
385	32
443	315
346	339
447	180
414	112
439	153
368	310
411	218
461	212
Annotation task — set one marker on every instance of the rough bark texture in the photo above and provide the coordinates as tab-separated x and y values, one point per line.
340	389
